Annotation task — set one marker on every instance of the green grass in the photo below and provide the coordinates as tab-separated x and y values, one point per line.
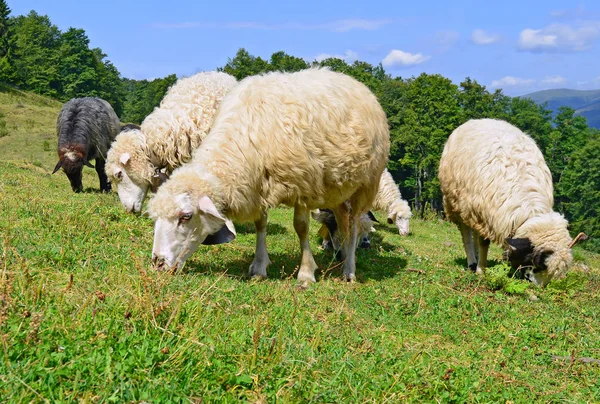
84	318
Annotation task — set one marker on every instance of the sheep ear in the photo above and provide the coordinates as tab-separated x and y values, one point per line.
519	244
124	158
390	220
87	163
58	166
372	217
207	206
224	235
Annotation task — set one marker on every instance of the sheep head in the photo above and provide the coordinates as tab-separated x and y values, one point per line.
72	159
130	170
539	265
401	222
196	221
541	247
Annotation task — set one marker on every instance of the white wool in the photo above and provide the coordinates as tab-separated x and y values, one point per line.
495	181
311	139
185	115
276	142
169	135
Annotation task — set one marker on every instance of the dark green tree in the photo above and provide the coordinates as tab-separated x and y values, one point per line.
6	70
76	65
570	133
580	190
244	65
35	54
281	61
142	96
430	112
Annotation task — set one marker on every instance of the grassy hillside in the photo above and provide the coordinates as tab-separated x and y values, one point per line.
31	125
83	317
585	103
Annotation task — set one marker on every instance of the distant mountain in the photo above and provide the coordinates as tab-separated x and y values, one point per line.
585	103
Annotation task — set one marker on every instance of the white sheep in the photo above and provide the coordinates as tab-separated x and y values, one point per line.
311	139
388	199
167	136
496	186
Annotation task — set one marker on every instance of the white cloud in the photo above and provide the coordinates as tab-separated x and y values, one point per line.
398	58
510	81
554	80
332	26
348	56
560	37
480	37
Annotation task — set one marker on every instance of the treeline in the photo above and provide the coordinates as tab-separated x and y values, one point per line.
36	56
422	111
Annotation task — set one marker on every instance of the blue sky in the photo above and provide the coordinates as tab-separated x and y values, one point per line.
519	46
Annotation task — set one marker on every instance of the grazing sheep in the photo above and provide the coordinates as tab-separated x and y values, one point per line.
497	187
311	139
86	127
166	138
330	235
388	199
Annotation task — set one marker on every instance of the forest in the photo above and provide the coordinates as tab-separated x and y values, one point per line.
36	56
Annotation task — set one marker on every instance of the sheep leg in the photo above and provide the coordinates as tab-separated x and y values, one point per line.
348	234
306	274
484	245
258	268
468	243
104	184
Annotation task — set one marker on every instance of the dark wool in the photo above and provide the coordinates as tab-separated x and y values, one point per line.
86	128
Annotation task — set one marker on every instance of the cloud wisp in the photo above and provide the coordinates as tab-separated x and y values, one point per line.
480	37
332	26
511	81
348	56
560	37
398	58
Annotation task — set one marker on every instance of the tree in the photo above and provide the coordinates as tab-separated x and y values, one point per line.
570	133
281	61
531	118
76	66
580	190
142	96
35	56
428	113
244	65
6	70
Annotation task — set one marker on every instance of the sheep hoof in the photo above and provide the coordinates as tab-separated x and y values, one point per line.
258	270
473	267
306	278
350	278
257	277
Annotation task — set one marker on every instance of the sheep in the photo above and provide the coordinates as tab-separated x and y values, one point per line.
330	235
497	187
310	139
85	127
141	158
388	199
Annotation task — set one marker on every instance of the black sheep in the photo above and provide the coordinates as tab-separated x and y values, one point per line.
86	127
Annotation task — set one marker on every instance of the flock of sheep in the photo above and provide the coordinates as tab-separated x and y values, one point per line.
217	150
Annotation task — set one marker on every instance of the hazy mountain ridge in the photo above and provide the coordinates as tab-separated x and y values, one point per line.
585	103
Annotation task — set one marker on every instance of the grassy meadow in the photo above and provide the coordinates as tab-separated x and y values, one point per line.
84	318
